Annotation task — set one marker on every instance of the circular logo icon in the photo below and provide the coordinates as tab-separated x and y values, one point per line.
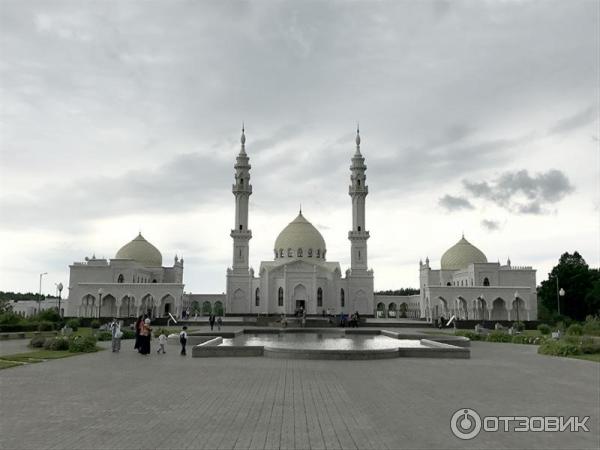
465	423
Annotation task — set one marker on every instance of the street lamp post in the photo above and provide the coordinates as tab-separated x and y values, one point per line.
100	292
559	293
517	303
59	288
40	292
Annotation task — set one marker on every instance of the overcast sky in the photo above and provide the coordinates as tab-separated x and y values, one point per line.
119	116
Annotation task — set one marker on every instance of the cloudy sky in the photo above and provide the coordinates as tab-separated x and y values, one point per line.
120	116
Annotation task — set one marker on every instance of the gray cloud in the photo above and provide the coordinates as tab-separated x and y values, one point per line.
522	193
575	121
490	225
452	203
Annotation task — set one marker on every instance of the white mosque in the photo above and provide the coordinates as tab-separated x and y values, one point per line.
299	277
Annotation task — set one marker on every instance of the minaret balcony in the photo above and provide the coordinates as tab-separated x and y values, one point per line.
241	189
241	234
358	190
358	235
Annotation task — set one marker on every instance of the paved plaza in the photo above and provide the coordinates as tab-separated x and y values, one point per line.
127	401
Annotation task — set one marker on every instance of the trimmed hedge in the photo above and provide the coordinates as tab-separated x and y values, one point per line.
56	343
128	334
82	344
104	336
37	341
544	329
559	348
575	330
73	324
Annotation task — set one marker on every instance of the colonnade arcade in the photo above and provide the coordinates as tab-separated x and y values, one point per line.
127	305
478	308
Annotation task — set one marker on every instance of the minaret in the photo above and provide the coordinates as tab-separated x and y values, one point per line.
241	190
358	192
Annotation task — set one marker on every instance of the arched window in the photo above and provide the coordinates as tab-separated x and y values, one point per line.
319	297
241	227
121	279
318	253
486	282
281	253
257	297
280	297
290	252
359	228
299	253
448	284
342	298
154	281
310	252
242	181
358	182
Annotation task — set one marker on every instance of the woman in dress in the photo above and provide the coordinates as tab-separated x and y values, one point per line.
138	324
145	336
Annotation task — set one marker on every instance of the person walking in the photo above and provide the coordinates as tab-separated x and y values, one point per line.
162	341
145	337
219	323
211	321
117	334
183	340
138	327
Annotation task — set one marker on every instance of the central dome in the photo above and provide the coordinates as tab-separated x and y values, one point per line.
460	255
300	239
141	251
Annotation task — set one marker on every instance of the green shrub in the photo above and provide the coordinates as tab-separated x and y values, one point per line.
56	343
95	324
37	341
10	318
82	344
499	336
544	329
104	336
73	324
469	334
590	347
519	326
575	330
45	326
48	315
559	348
127	334
19	327
591	326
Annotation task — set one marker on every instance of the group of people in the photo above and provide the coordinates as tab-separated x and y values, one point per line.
353	321
212	320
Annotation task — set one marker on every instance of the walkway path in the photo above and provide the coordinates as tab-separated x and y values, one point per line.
125	400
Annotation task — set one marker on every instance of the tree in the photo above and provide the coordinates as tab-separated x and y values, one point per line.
578	281
5	306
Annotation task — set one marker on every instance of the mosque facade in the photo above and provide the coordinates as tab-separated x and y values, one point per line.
299	277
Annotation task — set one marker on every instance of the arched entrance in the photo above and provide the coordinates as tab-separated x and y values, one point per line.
499	311
392	310
299	298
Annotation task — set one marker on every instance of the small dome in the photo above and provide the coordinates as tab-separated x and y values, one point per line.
301	234
141	251
460	255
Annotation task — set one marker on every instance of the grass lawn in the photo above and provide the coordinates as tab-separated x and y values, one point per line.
34	356
588	357
7	364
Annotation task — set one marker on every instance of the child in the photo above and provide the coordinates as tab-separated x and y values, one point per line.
162	341
183	340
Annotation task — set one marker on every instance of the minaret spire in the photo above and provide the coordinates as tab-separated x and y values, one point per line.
242	189
358	192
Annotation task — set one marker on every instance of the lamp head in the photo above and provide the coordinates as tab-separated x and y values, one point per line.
561	292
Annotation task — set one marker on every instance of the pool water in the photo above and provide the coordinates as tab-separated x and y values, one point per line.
325	341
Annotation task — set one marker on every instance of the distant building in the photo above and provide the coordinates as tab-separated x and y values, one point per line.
132	283
470	287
